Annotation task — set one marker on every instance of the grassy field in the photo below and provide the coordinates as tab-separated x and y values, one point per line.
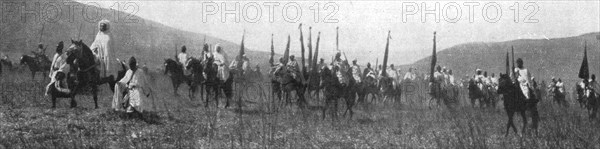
26	121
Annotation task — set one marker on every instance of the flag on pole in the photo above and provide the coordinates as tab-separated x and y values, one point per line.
385	56
512	50
286	54
316	56
310	55
241	53
584	72
302	48
433	60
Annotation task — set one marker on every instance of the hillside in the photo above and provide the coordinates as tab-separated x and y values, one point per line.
149	41
546	58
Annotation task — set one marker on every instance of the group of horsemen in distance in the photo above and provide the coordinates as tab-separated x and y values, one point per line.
442	77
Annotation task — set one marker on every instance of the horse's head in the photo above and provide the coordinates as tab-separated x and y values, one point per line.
81	52
504	84
170	65
25	59
194	65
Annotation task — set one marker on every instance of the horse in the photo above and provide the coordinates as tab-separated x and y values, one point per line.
215	85
313	87
177	76
84	77
36	65
389	89
515	101
475	93
197	77
284	82
558	97
368	87
332	89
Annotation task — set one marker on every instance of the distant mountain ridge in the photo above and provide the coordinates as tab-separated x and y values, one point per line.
149	41
545	58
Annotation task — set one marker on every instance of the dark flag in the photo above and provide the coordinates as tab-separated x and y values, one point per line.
507	64
286	54
513	62
302	48
316	56
584	72
241	53
271	61
433	60
385	56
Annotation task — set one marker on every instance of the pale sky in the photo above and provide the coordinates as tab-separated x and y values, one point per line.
364	24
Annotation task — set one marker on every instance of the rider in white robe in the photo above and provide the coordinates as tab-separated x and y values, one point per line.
221	59
523	77
356	74
102	46
183	58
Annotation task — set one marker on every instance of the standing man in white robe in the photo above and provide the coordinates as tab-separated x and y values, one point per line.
135	82
102	46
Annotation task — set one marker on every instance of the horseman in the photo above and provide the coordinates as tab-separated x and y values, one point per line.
340	67
293	68
524	78
183	59
132	91
436	83
245	64
479	79
560	86
593	87
356	74
220	59
410	75
101	47
275	68
59	64
393	73
369	72
321	65
495	82
451	78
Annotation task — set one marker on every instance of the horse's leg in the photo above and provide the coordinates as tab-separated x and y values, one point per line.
524	117
53	100
325	108
32	75
510	123
95	94
73	102
535	117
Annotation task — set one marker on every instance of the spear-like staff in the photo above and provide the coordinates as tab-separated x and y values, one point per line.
271	61
302	47
310	55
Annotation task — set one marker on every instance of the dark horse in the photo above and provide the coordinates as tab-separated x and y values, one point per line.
36	66
285	83
215	85
177	76
196	79
334	90
515	101
84	78
175	70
